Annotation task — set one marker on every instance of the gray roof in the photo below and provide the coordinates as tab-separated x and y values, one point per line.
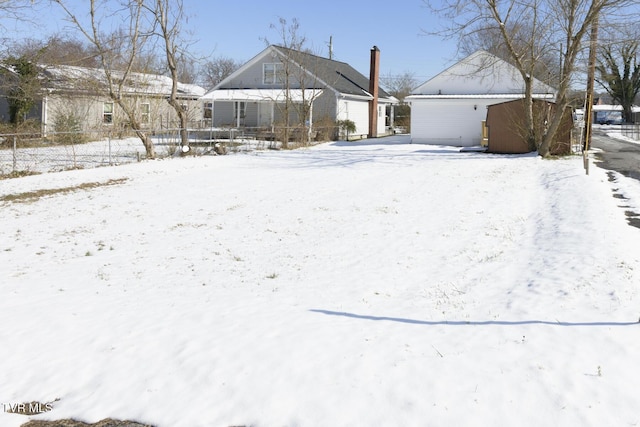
339	75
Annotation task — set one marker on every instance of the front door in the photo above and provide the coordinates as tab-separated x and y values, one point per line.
265	114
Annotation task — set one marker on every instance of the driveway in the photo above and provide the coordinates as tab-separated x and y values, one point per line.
622	157
616	155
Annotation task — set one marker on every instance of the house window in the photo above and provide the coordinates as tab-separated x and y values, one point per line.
146	112
107	112
208	110
272	73
239	110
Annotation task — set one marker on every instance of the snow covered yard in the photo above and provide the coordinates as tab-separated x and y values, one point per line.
351	284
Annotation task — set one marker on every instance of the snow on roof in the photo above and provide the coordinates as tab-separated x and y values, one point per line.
68	77
489	96
295	95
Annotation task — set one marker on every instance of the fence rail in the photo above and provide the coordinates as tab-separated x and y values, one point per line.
32	153
631	131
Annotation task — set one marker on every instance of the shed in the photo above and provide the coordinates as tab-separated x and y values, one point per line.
506	125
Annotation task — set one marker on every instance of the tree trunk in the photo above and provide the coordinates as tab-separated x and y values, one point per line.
182	116
148	144
144	137
627	114
531	136
544	150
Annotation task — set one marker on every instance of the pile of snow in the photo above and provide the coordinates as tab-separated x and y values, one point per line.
349	284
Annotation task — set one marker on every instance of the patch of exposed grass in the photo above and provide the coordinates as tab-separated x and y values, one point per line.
31	196
17	174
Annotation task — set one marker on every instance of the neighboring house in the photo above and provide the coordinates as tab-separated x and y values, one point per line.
313	90
449	109
82	93
604	114
506	127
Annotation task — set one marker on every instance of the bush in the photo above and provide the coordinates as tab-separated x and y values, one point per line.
327	129
28	133
68	129
346	127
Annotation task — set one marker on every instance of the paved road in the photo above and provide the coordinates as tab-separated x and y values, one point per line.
622	157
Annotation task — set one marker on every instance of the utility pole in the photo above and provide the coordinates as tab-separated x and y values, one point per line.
330	47
588	108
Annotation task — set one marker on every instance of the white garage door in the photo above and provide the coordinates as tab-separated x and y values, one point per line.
456	122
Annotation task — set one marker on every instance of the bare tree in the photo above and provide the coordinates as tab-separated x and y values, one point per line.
528	30
217	69
168	16
118	52
13	9
547	66
399	85
290	39
296	73
58	49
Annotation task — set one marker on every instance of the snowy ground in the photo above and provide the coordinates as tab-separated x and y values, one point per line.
107	152
351	284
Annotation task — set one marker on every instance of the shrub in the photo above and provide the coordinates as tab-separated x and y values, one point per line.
68	129
28	133
326	128
346	127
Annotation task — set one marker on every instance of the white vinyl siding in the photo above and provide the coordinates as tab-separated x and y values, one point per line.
356	111
381	120
456	122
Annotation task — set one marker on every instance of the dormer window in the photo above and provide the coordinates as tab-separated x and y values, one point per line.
272	73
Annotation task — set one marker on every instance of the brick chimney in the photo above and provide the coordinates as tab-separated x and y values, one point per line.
373	90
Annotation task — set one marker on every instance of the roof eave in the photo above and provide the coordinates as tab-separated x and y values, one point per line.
482	96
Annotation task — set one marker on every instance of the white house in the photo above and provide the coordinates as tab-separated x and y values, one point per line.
318	90
449	108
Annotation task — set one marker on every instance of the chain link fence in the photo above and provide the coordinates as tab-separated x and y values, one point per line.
26	153
631	131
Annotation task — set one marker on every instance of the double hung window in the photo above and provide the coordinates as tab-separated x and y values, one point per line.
272	73
107	113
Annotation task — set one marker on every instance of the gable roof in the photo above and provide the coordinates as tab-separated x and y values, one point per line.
481	73
326	73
